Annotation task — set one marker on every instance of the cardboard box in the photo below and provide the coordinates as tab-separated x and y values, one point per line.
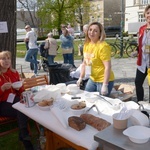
123	92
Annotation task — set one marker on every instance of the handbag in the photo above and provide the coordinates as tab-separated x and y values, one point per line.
67	50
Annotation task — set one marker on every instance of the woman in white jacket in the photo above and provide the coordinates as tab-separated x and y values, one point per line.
51	45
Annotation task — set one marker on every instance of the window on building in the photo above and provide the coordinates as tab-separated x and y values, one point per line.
141	17
144	2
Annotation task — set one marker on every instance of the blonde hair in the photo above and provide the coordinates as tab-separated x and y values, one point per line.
6	54
102	35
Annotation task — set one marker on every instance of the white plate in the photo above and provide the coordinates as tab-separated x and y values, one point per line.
44	108
138	134
91	97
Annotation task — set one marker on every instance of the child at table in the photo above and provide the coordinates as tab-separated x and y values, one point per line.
10	96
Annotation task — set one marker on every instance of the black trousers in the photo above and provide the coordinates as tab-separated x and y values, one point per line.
7	110
139	80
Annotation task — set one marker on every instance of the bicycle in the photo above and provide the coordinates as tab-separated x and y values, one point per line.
130	46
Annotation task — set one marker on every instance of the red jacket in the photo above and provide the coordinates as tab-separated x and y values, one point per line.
9	76
141	34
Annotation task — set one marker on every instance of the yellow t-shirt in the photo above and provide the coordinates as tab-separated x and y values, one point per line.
94	55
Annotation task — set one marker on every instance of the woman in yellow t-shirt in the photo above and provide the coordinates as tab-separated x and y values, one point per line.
97	61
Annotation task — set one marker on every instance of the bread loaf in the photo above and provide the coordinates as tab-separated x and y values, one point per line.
95	122
76	123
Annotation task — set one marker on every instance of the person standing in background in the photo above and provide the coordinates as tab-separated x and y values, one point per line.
51	45
80	47
71	32
31	55
67	45
27	48
143	61
97	61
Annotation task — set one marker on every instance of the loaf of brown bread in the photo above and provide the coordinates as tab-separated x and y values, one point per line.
95	122
76	123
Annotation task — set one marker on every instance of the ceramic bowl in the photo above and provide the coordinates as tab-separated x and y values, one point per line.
138	118
17	85
44	108
73	88
62	87
138	134
77	111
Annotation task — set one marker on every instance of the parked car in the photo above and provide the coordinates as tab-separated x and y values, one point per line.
78	34
112	31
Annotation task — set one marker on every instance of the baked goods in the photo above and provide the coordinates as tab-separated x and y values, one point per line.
76	123
80	105
46	102
96	122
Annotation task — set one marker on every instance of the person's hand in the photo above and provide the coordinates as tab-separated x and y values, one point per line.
6	86
79	81
104	89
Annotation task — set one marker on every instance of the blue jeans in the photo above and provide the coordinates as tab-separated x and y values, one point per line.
92	86
50	59
68	58
31	56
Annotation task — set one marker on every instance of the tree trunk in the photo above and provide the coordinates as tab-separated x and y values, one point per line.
8	40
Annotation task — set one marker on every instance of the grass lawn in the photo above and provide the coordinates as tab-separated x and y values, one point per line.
11	141
21	51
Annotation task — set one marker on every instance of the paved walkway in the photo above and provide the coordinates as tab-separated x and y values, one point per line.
124	70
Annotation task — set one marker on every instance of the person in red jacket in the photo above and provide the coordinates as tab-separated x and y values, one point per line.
143	55
10	96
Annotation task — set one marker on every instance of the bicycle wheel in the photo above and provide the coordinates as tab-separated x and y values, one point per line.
131	49
113	50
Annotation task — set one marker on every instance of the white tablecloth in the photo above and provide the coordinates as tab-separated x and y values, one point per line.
50	120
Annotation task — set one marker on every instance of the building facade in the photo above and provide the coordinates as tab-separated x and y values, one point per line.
134	16
103	11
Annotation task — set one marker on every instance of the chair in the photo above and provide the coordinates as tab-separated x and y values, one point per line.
36	81
28	83
7	120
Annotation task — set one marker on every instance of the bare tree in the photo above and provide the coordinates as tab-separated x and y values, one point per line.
28	12
8	40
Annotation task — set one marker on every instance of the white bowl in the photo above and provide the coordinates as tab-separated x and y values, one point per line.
138	118
73	88
138	134
44	108
17	85
62	87
77	111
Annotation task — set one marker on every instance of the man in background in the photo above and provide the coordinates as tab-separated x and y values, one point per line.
31	55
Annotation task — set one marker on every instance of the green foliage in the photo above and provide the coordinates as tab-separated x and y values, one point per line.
54	13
